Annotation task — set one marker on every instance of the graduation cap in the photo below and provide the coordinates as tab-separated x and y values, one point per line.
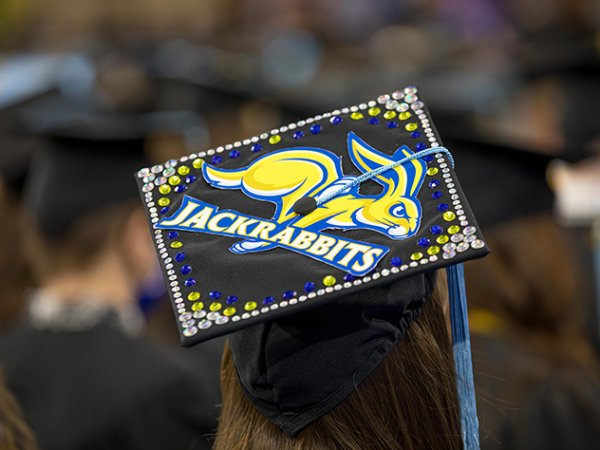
81	163
326	212
495	176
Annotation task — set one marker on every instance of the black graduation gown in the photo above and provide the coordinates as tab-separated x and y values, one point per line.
101	389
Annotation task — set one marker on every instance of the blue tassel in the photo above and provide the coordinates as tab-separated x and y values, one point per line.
462	357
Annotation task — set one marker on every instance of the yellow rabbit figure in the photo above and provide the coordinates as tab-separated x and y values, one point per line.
285	176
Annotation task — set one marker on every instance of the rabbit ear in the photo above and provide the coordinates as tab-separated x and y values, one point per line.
366	158
223	178
413	171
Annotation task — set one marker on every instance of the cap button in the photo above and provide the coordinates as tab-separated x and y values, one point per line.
305	205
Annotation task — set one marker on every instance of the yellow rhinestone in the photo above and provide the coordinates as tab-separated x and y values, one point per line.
274	139
389	114
453	229
250	306
183	170
432	171
433	250
374	111
176	244
356	115
197	306
229	311
411	126
449	216
164	189
193	296
442	239
329	280
163	201
404	115
174	180
197	164
215	306
416	256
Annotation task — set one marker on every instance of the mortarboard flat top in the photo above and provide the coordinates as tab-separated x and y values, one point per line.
234	250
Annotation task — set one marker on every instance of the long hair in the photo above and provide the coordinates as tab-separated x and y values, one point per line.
15	434
409	402
16	274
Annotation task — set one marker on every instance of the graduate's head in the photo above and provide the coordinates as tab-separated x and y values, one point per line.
283	241
82	201
409	401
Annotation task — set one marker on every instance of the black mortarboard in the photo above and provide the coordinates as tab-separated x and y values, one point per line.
81	165
501	182
345	211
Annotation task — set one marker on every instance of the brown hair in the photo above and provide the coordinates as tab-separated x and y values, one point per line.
79	246
531	278
14	432
15	271
408	403
532	283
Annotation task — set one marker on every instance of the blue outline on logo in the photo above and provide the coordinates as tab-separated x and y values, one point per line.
200	205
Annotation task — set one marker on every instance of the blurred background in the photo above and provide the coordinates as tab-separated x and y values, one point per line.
513	87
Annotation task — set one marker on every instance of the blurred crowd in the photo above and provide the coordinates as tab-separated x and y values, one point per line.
90	90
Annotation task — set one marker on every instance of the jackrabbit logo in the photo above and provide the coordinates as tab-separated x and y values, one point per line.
287	175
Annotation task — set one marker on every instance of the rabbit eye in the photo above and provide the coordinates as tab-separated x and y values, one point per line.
398	211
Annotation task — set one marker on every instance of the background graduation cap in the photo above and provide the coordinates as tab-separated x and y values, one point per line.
80	166
267	228
83	155
495	176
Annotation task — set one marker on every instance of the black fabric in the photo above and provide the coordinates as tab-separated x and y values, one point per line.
99	389
298	368
70	178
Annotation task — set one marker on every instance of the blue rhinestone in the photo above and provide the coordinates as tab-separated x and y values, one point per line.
231	299
181	188
309	286
215	295
179	257
256	148
392	124
349	277
234	154
373	121
415	134
298	134
190	282
288	295
421	146
424	242
436	229
190	179
268	300
443	207
436	195
185	270
164	210
428	158
316	128
335	120
172	234
395	261
433	184
217	159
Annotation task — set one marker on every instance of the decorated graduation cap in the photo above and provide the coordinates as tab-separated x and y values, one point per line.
288	238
